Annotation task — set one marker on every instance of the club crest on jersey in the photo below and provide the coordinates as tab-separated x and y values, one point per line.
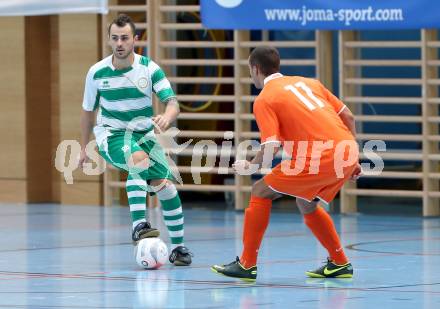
143	82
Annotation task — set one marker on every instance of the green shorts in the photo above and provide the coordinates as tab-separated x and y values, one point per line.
118	147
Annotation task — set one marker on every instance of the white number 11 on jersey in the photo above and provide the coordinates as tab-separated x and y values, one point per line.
307	101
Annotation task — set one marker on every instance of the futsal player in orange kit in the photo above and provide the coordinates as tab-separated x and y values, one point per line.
317	130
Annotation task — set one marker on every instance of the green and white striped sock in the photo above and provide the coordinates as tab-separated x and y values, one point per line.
172	214
137	199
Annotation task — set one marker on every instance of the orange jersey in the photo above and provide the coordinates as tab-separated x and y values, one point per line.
294	108
299	112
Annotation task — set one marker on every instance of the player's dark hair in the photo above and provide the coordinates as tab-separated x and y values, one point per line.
121	21
266	58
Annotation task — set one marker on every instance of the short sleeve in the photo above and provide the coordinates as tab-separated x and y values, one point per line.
334	101
91	93
161	86
267	122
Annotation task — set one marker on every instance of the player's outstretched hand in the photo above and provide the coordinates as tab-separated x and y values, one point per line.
356	173
162	122
82	158
240	166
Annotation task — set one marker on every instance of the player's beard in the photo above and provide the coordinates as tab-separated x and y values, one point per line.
122	56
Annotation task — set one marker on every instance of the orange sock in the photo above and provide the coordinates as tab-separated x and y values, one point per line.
321	225
256	220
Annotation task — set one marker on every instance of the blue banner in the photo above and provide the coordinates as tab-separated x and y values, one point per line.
320	14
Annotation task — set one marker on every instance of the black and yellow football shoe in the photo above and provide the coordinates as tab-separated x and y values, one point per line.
236	270
332	270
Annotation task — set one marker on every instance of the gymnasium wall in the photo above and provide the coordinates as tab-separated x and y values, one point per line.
44	64
12	116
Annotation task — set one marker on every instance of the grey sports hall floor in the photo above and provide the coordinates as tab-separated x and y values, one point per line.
55	256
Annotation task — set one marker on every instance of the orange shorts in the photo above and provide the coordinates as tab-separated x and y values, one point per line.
324	185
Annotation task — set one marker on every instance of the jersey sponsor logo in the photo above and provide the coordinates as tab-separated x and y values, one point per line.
143	82
125	148
105	84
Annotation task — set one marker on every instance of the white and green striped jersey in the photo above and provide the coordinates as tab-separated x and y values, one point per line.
124	97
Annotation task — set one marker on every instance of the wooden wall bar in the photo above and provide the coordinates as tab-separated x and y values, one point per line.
406	163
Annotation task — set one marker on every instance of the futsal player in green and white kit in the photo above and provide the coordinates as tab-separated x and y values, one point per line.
120	89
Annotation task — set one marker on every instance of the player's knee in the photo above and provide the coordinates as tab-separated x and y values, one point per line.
139	159
167	191
261	190
159	185
306	207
